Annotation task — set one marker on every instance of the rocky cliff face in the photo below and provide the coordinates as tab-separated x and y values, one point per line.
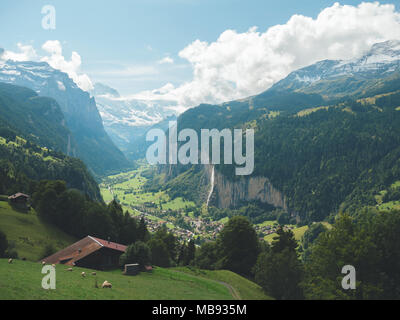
227	193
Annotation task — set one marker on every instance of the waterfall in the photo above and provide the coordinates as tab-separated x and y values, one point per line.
212	186
69	146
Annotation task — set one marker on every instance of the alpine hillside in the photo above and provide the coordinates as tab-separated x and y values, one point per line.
327	139
90	141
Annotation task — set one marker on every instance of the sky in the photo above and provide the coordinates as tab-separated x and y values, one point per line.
192	51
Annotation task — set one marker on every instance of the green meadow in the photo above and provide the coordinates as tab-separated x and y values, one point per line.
298	234
128	189
22	280
390	204
29	234
242	288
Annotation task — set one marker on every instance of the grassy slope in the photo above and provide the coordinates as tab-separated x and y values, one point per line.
298	233
387	205
22	280
246	289
29	233
133	182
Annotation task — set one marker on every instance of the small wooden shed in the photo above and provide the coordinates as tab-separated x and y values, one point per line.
132	269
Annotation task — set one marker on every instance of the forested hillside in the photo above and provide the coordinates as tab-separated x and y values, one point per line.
32	139
38	118
325	153
89	141
23	164
319	159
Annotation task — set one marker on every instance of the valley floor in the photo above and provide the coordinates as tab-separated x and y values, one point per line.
158	209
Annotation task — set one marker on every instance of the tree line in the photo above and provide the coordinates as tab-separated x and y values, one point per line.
24	163
286	269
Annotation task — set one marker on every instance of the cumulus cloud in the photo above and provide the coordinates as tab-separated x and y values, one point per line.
27	53
166	60
238	65
54	58
72	67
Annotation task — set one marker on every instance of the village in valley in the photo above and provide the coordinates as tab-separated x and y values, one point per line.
179	215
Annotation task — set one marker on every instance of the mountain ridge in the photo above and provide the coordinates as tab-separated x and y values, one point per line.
292	152
82	117
381	61
126	119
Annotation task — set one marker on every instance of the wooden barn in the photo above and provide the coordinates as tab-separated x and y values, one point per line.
19	199
91	253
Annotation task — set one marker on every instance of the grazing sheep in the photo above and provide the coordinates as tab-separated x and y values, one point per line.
53	265
106	284
43	263
10	260
69	269
93	273
83	274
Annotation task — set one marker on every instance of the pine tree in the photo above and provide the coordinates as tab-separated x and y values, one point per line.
279	271
191	252
143	233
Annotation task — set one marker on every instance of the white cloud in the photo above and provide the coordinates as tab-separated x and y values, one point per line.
71	67
55	59
238	65
166	60
27	53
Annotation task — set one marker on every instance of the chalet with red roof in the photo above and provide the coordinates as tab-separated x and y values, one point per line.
91	253
19	199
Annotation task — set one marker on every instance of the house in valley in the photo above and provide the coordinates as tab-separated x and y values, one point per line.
91	253
19	200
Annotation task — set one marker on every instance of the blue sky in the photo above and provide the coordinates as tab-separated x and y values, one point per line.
135	35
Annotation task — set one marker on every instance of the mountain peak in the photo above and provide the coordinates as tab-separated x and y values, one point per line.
386	47
383	58
101	89
384	52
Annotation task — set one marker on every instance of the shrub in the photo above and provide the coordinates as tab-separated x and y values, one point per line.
139	252
3	244
48	250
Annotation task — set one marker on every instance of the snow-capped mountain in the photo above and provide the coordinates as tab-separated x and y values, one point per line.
382	60
75	103
124	118
79	108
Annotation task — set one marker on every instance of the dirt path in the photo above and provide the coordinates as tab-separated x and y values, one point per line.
231	289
